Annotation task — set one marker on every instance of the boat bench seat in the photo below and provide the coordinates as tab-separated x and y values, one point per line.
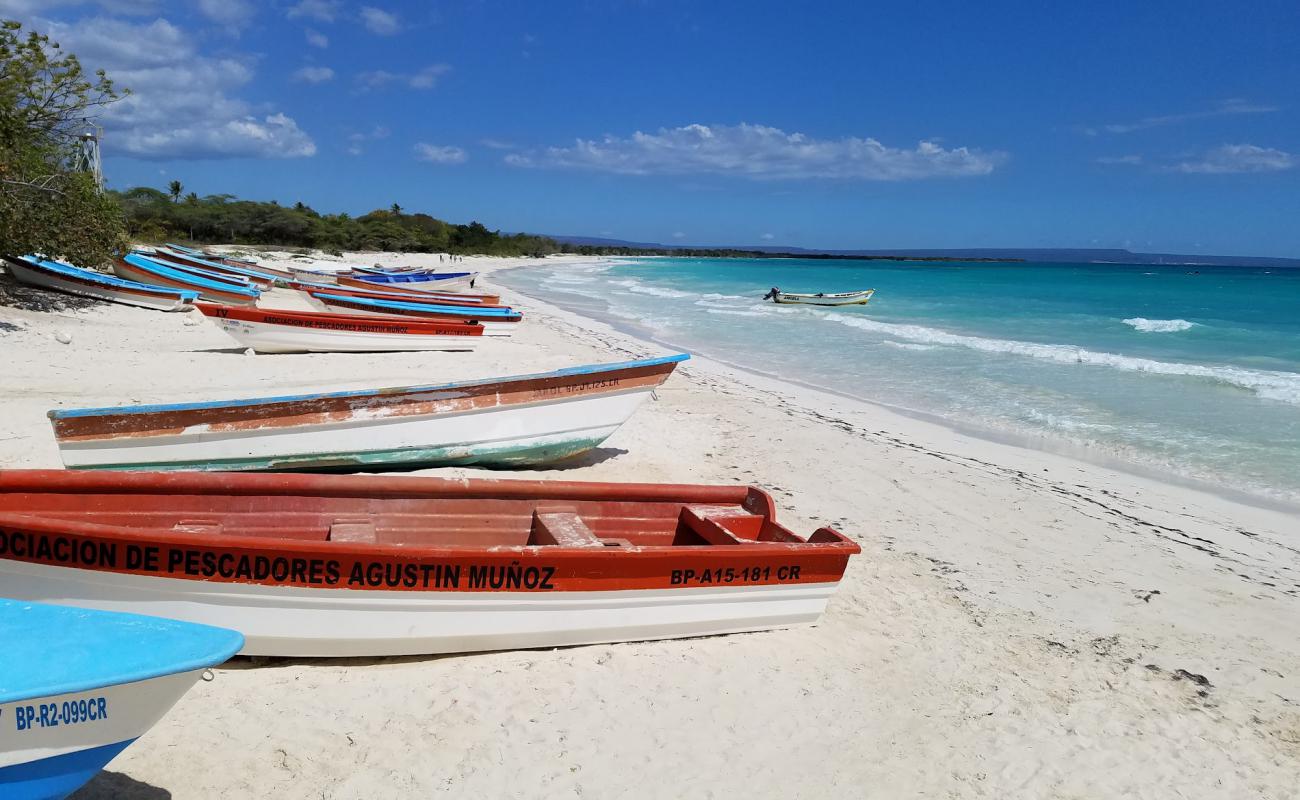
696	523
562	529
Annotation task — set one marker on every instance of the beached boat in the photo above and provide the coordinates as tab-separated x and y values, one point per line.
316	275
87	283
78	686
820	299
135	267
496	422
498	321
426	282
283	331
264	281
377	293
330	565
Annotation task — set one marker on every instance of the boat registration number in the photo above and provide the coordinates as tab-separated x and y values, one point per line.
682	577
52	715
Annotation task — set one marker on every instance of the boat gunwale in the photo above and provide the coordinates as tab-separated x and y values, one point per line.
585	369
203	284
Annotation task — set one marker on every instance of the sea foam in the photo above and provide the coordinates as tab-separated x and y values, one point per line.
1283	386
1159	325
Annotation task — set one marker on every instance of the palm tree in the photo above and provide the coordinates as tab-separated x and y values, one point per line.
174	189
396	209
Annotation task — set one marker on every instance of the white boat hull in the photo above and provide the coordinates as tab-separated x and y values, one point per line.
44	281
75	734
282	621
264	338
519	434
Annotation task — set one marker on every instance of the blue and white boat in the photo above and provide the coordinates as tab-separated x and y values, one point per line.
217	289
501	321
78	686
424	281
48	274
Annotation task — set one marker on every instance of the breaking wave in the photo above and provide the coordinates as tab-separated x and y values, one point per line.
1159	325
634	285
1283	386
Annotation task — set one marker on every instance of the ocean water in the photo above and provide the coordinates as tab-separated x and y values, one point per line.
1188	370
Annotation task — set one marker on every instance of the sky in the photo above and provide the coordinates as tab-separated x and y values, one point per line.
1156	126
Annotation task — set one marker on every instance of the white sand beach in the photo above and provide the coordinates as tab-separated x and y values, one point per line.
1019	624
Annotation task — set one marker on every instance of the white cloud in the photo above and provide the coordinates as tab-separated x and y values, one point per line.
316	38
767	237
759	152
426	78
181	103
234	14
313	74
1132	160
497	144
436	154
678	235
379	22
319	10
1233	158
1232	106
356	140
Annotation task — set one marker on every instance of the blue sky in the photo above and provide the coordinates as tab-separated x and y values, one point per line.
1155	125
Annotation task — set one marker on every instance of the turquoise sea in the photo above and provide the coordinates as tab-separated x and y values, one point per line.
1188	370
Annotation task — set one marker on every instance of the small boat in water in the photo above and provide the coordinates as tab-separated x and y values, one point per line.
820	299
357	565
496	321
48	274
78	686
283	331
135	267
522	420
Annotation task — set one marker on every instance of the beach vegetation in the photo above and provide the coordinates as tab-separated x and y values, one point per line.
47	102
153	215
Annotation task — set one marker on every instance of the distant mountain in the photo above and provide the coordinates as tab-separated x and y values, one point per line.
1052	255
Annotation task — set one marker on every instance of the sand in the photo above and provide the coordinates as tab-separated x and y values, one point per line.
1019	624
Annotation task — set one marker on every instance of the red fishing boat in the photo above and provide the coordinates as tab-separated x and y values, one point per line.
307	565
284	331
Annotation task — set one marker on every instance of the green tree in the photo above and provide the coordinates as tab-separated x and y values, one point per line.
46	100
174	190
396	210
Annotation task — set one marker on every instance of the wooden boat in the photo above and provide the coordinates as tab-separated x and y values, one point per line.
377	293
428	282
495	422
499	321
316	275
56	275
821	299
334	565
283	331
264	281
134	267
459	294
78	686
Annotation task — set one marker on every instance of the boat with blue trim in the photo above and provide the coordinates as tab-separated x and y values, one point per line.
517	421
496	321
135	267
78	686
49	274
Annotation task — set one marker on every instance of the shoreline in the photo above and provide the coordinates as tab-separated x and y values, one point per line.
1044	442
1036	625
